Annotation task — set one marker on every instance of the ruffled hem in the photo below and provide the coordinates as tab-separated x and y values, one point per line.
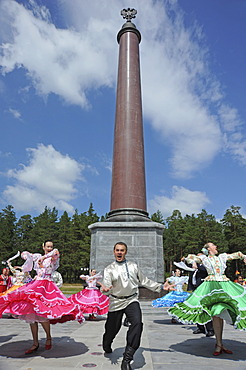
11	289
170	299
91	301
212	299
38	301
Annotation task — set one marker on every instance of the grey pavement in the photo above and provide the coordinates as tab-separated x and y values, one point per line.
164	346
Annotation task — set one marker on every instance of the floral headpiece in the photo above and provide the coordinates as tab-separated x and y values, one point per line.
205	251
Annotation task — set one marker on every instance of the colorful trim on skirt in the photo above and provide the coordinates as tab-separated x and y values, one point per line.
170	299
210	299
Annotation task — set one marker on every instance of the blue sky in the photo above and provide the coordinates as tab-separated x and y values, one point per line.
58	68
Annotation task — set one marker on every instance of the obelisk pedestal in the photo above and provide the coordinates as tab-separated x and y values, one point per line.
144	241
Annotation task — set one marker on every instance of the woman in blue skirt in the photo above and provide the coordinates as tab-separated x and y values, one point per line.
178	295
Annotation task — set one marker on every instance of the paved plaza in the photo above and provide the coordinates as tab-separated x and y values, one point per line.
164	346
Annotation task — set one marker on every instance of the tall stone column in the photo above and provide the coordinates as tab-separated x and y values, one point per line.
128	192
128	219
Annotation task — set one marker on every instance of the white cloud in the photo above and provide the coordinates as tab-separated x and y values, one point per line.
105	161
49	180
182	199
234	140
60	61
15	113
2	87
182	99
178	93
4	154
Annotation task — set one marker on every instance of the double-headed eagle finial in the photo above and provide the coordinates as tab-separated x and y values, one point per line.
128	14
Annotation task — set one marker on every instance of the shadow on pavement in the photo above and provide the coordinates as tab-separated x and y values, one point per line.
6	338
62	347
204	347
115	357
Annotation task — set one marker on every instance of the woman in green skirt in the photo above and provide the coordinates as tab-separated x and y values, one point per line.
217	298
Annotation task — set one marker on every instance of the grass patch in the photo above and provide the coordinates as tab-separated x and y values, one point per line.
71	288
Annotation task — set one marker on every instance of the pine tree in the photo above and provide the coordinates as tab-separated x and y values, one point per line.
234	230
172	240
24	228
158	217
8	239
45	227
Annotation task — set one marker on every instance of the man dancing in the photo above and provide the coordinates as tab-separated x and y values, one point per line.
121	281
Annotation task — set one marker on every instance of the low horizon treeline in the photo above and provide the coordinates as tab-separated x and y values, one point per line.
182	235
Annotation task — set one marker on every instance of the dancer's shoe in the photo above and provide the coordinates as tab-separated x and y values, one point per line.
225	350
107	349
48	344
33	348
198	331
217	353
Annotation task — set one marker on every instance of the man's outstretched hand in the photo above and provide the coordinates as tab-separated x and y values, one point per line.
105	288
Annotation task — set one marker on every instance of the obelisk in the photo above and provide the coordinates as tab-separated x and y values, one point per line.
128	191
128	219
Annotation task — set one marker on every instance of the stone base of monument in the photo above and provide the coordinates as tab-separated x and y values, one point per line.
149	295
144	241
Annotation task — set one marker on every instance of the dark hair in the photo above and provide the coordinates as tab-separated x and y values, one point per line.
46	241
120	243
177	268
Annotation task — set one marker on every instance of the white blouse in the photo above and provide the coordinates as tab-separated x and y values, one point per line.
215	265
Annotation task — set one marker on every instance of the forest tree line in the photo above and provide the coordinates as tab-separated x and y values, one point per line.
182	235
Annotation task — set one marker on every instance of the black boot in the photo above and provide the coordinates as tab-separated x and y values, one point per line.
127	358
107	346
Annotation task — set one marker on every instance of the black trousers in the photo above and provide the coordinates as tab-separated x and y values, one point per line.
207	327
114	321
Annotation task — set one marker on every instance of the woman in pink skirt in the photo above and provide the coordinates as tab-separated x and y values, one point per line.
41	300
90	299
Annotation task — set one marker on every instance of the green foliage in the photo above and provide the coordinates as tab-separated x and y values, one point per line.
158	217
8	237
234	231
185	235
173	239
181	236
69	234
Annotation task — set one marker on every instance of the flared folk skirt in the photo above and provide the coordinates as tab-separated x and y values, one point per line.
213	298
170	299
91	301
39	301
11	289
